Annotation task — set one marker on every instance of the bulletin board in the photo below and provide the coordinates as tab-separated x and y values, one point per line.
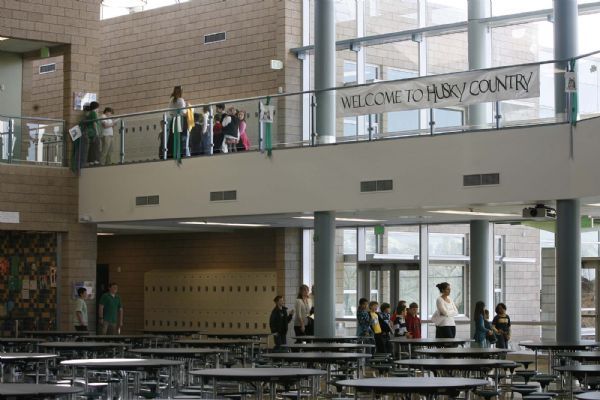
28	264
207	300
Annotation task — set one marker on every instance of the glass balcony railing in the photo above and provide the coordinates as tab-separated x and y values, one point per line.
32	140
288	120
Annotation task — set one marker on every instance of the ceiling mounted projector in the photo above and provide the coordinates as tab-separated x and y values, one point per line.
540	211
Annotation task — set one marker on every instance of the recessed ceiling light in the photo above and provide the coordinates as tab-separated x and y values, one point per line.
594	204
105	234
344	219
474	213
3	38
223	224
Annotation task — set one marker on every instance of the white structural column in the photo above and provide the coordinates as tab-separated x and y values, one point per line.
481	265
324	299
325	69
568	224
480	53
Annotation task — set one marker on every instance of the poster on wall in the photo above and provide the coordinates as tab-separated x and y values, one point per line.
570	82
80	99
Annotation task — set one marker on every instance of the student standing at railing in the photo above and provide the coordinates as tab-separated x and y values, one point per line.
244	142
91	145
177	126
107	136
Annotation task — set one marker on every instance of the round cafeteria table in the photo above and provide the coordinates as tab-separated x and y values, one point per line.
429	342
137	339
259	376
32	391
471	352
55	334
457	364
173	332
423	386
556	347
230	335
588	396
580	355
13	344
328	346
582	372
12	358
83	347
125	365
333	339
244	344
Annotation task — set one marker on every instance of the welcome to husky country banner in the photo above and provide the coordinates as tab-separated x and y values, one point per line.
440	91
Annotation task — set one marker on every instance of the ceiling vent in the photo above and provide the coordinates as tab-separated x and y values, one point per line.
226	195
385	185
47	68
215	37
481	179
153	200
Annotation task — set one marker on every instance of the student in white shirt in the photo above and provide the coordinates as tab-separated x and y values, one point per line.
107	136
443	317
81	313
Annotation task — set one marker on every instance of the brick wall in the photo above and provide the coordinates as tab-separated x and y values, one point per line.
47	200
129	257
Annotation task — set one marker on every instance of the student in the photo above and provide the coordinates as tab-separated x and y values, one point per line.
501	326
479	320
413	322
81	313
206	135
400	322
177	146
443	317
401	303
244	143
363	320
376	327
110	311
231	131
491	336
92	129
279	320
107	136
386	326
302	310
218	128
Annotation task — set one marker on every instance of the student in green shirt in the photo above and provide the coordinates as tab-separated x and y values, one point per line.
110	312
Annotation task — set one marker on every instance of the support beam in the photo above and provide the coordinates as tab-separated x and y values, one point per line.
324	278
480	53
481	265
325	69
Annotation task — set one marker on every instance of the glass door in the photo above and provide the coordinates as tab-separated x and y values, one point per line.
389	282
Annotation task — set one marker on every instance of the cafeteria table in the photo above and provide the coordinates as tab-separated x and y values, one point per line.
334	339
126	366
32	391
553	348
424	386
260	376
581	372
468	352
25	358
18	343
233	344
233	335
429	342
137	340
84	347
58	335
582	356
187	354
457	364
588	396
328	346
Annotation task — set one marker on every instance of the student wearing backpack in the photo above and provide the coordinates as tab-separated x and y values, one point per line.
231	132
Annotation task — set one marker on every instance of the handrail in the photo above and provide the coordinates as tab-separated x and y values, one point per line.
33	118
317	91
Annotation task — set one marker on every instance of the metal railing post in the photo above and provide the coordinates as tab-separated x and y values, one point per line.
211	125
122	150
313	121
498	115
370	128
165	135
431	122
261	132
11	128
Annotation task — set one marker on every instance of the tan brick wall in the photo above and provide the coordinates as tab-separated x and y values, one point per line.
47	200
129	257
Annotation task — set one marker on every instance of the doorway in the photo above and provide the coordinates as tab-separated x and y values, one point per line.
102	280
389	282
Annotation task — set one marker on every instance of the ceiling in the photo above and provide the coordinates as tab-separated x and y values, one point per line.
23	46
507	213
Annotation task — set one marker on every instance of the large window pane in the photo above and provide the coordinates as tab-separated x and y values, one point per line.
589	244
505	7
441	12
454	274
588	302
383	16
349	288
444	244
401	241
409	285
447	53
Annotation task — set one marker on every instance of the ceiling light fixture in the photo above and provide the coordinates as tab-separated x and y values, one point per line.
105	234
474	213
344	219
593	205
224	224
3	38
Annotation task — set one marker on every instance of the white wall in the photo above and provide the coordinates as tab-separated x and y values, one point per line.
534	164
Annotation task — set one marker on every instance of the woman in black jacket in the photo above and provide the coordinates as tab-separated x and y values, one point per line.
280	318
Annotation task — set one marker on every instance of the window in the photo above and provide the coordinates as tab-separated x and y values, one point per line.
350	300
371	75
446	244
398	121
454	274
589	244
409	285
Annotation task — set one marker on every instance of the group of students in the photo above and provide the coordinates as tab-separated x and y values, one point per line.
381	325
189	134
95	145
486	333
304	312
